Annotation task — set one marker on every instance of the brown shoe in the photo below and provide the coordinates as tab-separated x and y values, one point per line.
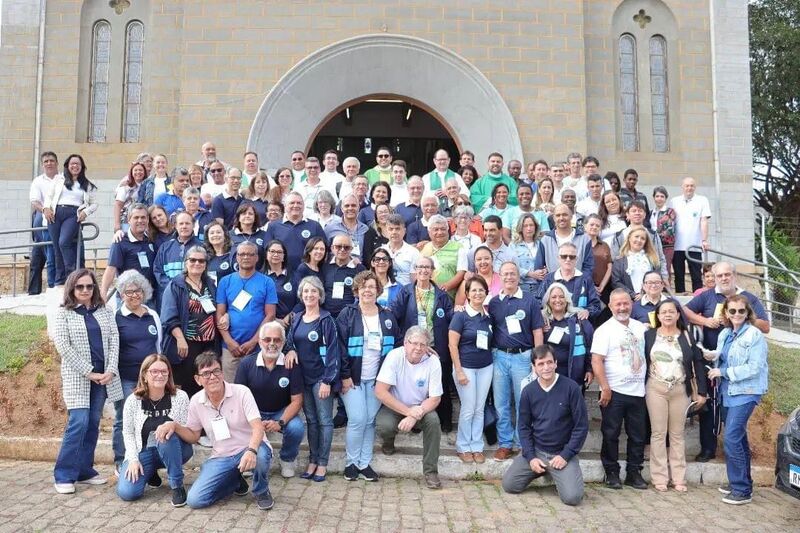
466	457
515	452
478	457
503	454
432	481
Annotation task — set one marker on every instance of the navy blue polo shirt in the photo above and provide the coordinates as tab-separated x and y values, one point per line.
334	276
93	331
417	233
287	293
138	338
225	207
467	325
130	254
410	213
261	208
525	308
709	304
258	238
220	266
294	237
272	389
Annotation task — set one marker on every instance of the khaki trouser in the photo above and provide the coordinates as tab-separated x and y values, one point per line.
667	409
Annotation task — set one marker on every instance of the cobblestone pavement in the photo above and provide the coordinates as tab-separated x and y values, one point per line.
31	504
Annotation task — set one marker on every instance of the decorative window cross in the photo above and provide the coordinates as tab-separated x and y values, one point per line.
642	18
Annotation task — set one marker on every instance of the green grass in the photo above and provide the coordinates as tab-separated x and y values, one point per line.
784	378
18	334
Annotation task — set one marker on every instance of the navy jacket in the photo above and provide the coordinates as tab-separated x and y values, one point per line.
175	313
584	293
580	342
169	262
323	362
404	308
351	326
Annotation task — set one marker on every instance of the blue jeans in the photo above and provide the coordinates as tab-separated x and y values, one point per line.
319	418
76	458
737	449
362	407
219	477
117	442
292	434
473	399
41	257
64	232
509	371
171	455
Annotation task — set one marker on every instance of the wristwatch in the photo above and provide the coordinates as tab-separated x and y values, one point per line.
282	424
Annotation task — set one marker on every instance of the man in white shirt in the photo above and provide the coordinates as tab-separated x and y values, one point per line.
330	176
574	164
311	187
216	183
692	213
619	366
351	167
409	386
250	171
591	204
399	183
404	256
42	255
434	181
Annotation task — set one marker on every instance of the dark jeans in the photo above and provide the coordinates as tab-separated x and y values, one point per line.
633	411
445	407
708	441
64	232
75	460
679	260
737	448
41	257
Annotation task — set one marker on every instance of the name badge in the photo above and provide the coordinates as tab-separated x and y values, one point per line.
338	290
652	316
718	311
241	300
356	250
482	340
513	325
556	335
421	320
144	262
220	428
208	305
374	340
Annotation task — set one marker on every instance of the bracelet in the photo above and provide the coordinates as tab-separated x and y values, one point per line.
252	450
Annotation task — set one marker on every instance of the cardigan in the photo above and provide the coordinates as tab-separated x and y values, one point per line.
57	187
72	343
133	419
175	313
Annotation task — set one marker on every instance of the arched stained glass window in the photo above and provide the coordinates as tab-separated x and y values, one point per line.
98	90
132	98
659	93
629	99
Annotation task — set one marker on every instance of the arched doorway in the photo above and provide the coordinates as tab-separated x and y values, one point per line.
424	73
408	130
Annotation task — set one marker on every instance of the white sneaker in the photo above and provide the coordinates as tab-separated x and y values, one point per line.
64	488
287	469
204	441
96	480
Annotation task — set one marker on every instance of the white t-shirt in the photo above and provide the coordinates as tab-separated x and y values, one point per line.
40	186
399	194
160	186
587	206
688	214
622	348
403	260
212	189
411	384
371	359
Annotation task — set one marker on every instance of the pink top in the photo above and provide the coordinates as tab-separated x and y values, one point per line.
238	408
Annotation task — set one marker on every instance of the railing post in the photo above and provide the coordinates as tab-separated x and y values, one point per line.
765	260
14	274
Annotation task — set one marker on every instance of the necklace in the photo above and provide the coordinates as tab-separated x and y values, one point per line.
668	338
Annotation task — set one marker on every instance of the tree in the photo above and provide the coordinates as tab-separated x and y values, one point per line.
775	88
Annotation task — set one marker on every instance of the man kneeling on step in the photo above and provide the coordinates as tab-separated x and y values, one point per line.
553	425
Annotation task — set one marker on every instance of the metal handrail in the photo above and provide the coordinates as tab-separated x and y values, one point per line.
31	245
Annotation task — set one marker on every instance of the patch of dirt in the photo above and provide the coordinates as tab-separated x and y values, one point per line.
762	433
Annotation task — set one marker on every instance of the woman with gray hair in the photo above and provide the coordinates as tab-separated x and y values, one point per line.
139	335
188	316
568	336
324	207
462	225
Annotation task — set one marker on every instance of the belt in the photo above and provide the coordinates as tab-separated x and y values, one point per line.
514	350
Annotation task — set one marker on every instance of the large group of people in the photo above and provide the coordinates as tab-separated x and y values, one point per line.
244	298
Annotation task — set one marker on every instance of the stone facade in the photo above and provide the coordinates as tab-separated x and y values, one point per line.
210	66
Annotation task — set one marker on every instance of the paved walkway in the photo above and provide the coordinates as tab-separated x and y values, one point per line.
31	504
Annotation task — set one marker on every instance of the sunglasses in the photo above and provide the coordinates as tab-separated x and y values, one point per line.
196	260
734	312
383	156
568	257
380	259
342	247
89	287
217	170
275	340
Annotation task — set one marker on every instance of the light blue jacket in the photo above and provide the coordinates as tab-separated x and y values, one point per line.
746	365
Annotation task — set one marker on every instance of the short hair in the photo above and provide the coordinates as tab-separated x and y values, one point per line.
400	163
246	244
299	152
138	206
312	160
660	189
523	185
438	220
590	159
574	155
385	186
250	152
383	148
742	299
351	159
70	302
294	193
567	245
396	219
427	259
464	210
467	152
48	154
512	263
542	352
334	152
274	324
141	389
629	172
495	154
493	219
179	171
365	275
476	279
562	204
325	197
315	282
231	170
594	177
540	162
190	191
619	291
205	360
718	264
637	204
418	331
135	278
200	249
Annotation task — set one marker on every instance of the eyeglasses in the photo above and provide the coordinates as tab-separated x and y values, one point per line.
235	178
423	267
380	259
276	340
216	170
382	156
217	372
734	312
245	254
89	287
653	283
158	372
568	257
417	344
276	252
343	247
133	292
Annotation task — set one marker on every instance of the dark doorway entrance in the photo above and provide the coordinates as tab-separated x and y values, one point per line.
411	133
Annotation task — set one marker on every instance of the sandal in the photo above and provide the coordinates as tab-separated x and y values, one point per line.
681	488
660	488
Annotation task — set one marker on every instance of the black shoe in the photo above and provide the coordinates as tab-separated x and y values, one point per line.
178	497
388	448
155	481
734	498
368	474
340	420
612	481
243	488
634	479
265	501
704	457
725	489
351	472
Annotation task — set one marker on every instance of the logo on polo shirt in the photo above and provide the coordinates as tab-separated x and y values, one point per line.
348	281
313	336
260	242
440	312
421	382
305	234
520	314
283	382
388	323
287	286
151	329
224	265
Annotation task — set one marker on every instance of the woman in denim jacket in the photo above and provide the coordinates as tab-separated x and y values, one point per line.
743	372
